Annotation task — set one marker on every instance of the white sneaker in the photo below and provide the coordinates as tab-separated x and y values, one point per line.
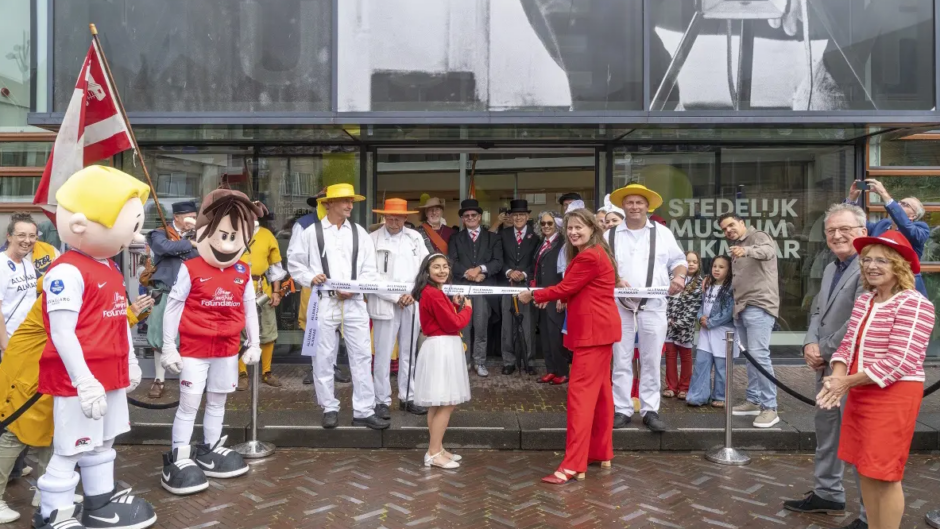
766	419
27	470
748	408
7	514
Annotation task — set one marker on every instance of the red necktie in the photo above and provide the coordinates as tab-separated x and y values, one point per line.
473	236
544	248
518	237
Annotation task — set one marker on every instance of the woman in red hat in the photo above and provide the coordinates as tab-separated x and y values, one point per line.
880	365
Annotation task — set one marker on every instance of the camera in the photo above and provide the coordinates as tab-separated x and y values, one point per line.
861	185
503	210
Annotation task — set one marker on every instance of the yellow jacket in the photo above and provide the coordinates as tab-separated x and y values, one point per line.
19	378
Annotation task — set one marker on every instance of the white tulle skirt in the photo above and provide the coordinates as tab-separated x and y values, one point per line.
441	373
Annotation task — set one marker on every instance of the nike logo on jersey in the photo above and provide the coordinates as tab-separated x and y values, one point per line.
112	520
210	467
204	279
102	284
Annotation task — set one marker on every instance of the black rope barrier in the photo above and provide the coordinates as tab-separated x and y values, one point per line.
148	406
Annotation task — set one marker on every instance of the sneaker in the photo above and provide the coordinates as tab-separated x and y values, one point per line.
932	518
653	422
220	462
859	524
27	470
748	408
242	382
181	475
481	371
271	380
372	421
117	510
766	419
621	420
812	503
7	514
382	411
65	518
330	420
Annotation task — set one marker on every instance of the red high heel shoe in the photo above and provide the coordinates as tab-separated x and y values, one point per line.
546	379
555	478
559	381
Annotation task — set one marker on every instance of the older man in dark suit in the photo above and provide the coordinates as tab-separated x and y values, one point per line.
519	247
841	286
477	258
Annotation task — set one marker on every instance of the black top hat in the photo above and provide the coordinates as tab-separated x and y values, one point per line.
519	206
469	204
569	196
187	206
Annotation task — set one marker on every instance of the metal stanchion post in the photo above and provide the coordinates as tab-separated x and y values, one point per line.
727	455
254	449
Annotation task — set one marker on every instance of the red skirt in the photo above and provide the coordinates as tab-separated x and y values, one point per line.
877	428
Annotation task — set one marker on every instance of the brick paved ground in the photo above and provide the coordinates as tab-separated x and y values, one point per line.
386	488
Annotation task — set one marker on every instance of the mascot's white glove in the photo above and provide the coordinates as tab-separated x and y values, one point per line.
252	355
91	394
170	359
135	375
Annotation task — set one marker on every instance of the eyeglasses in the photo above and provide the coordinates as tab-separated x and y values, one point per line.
908	205
844	230
471	215
881	262
549	223
25	236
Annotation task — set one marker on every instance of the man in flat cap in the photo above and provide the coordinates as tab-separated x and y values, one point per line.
169	247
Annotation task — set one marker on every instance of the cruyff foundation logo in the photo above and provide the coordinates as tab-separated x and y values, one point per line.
221	298
118	309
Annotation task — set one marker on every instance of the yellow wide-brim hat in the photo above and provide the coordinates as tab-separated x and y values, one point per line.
616	198
341	191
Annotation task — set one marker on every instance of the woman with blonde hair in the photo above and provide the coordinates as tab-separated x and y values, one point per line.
593	328
880	365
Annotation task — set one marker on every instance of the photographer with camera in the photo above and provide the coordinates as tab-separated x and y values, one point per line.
904	216
169	247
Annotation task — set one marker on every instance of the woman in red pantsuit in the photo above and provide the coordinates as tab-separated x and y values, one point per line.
593	328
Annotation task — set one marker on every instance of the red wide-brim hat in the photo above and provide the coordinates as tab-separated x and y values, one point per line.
896	242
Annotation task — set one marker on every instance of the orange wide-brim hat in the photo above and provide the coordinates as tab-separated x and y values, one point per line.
394	206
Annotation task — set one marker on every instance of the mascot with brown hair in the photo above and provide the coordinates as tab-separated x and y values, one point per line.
88	362
212	300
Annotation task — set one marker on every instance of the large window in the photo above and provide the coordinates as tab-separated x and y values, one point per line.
211	55
782	191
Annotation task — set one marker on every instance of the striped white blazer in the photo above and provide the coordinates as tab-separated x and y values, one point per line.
894	340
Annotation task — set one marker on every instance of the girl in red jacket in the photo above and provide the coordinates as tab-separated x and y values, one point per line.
441	380
593	328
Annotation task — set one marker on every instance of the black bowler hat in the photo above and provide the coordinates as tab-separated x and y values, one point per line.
469	204
187	206
519	206
312	201
569	196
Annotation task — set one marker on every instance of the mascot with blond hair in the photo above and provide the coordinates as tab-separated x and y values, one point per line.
212	300
88	363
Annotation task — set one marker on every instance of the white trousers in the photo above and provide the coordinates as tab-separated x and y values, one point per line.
354	319
652	331
386	332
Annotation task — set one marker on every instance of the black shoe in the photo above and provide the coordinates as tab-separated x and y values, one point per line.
220	462
508	370
372	422
531	370
621	420
813	503
116	510
933	518
653	422
66	517
856	524
309	378
181	475
411	407
381	410
330	419
341	377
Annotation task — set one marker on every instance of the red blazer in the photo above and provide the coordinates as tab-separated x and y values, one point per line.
588	288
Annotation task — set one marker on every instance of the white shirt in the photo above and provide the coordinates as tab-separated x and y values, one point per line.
633	248
398	257
517	234
303	254
474	235
18	286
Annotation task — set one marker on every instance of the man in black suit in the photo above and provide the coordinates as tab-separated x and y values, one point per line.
551	317
519	246
477	257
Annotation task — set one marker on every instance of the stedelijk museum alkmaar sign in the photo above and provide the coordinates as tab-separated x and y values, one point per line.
695	223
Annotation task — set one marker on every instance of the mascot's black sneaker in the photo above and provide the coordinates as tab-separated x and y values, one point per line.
66	518
181	475
220	462
117	510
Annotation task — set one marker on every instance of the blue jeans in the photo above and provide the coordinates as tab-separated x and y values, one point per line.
701	390
752	329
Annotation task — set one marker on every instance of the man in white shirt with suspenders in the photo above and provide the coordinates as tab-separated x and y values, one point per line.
646	253
342	250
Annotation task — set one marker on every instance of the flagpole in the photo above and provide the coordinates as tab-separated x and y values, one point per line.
127	123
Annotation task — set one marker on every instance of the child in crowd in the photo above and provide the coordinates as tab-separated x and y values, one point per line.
441	381
681	313
715	319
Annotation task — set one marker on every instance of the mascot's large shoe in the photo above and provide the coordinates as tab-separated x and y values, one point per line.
117	510
220	462
181	475
66	518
